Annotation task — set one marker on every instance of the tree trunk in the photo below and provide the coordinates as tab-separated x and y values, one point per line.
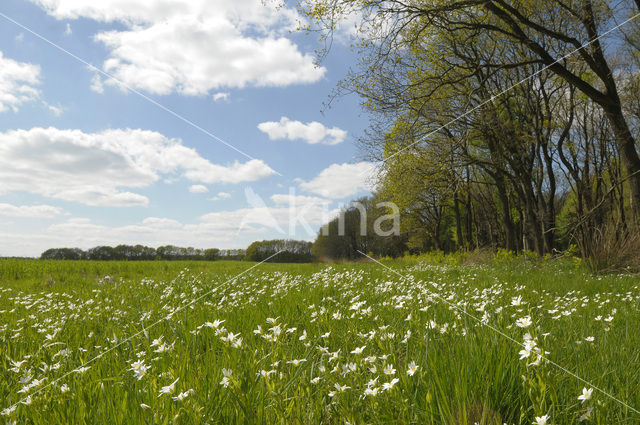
627	147
510	234
456	208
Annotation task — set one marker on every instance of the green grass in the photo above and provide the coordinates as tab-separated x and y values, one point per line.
56	315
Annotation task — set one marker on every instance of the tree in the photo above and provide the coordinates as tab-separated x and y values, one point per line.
280	251
542	31
364	226
211	254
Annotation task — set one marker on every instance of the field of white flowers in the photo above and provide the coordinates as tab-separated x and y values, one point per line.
312	344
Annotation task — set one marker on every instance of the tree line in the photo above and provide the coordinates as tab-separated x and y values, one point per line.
141	253
507	124
283	251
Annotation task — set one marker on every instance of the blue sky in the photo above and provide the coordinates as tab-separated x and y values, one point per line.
84	161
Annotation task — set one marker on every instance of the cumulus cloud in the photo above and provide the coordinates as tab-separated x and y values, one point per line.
195	46
161	223
221	96
291	216
312	133
93	168
339	181
96	84
281	219
198	188
18	81
290	199
31	211
220	196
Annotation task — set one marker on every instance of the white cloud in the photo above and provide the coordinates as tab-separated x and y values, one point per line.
161	223
93	168
220	196
221	96
55	110
299	200
68	30
195	46
96	84
339	181
278	219
198	188
312	133
17	83
31	211
222	229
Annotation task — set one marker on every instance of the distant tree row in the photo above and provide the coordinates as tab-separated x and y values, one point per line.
288	251
141	253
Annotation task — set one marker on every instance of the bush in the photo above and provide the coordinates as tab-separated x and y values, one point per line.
613	249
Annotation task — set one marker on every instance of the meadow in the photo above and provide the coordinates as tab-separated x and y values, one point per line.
512	341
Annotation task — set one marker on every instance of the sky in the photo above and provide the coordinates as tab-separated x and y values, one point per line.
187	122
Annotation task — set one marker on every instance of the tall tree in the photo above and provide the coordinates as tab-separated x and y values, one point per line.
544	31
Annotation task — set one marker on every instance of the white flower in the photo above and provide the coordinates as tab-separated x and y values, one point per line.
163	348
276	330
359	350
524	322
169	389
541	420
9	410
64	388
586	394
412	368
348	367
389	370
265	373
296	362
226	380
139	369
388	385
315	380
340	388
183	395
587	415
371	391
145	406
589	339
82	370
525	353
529	346
16	364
